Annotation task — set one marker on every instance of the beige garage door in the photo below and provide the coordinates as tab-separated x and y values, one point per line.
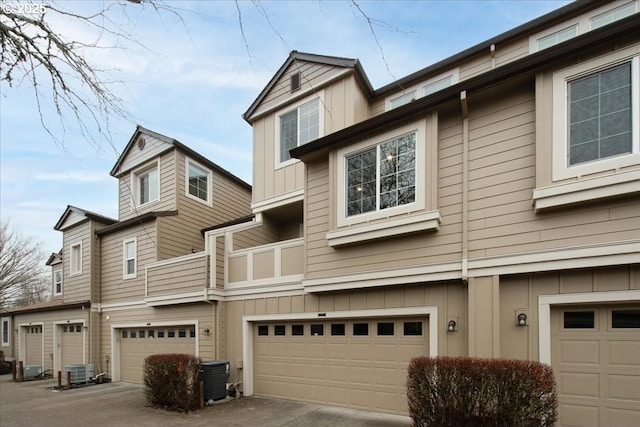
138	343
33	345
596	361
72	343
355	363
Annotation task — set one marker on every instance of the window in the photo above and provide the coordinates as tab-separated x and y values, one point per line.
78	328
141	333
623	319
557	37
579	319
279	330
263	330
57	282
437	85
192	333
125	333
402	99
383	176
132	334
130	252
151	333
360	329
146	185
75	264
613	15
160	333
297	330
317	330
6	332
598	129
171	333
337	329
385	328
299	126
198	181
413	328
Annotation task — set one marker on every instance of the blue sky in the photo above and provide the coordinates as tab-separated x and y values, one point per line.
195	77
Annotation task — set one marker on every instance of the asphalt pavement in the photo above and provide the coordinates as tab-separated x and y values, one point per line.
37	404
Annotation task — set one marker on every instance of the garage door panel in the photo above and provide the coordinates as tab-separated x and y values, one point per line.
580	352
622	417
579	415
624	353
624	387
579	384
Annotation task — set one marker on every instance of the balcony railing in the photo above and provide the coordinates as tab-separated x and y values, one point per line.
272	264
187	274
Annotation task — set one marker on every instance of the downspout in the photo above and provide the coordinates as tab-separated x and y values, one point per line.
465	185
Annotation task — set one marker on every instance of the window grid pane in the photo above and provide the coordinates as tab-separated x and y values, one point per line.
198	182
600	115
288	134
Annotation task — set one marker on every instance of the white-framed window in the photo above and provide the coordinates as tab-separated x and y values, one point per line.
402	99
6	332
198	181
75	259
596	107
146	184
381	177
298	126
581	24
130	254
57	282
437	85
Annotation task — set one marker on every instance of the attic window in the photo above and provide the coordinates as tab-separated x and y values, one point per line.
295	82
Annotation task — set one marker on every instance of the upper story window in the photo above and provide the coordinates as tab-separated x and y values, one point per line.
75	264
383	176
298	126
130	255
613	15
424	88
557	37
57	282
402	99
6	331
146	184
598	117
198	181
439	84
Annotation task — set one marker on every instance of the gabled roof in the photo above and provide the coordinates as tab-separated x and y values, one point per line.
140	219
310	57
88	214
115	171
528	64
48	306
54	258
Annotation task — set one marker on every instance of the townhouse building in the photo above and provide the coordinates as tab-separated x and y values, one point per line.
487	205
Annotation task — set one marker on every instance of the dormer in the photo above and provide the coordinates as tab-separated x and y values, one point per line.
310	96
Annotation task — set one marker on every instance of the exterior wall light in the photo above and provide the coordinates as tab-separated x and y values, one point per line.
451	326
522	319
206	331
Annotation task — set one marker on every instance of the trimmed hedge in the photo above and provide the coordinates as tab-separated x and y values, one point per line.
172	381
459	391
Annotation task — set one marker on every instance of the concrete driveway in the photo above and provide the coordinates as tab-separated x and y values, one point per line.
34	403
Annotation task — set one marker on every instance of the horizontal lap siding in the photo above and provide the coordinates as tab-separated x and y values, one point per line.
502	174
77	288
185	276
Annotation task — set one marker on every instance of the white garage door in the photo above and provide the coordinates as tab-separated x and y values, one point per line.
355	363
72	344
138	343
33	345
596	361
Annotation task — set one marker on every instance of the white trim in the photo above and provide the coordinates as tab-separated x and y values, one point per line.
627	252
22	340
6	343
423	186
561	79
115	338
277	201
319	95
57	341
126	305
55	282
615	184
126	275
249	320
545	302
393	227
134	187
78	270
209	200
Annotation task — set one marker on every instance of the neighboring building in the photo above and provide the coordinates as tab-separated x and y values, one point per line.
483	206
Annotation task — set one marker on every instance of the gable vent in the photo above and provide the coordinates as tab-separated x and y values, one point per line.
141	143
295	82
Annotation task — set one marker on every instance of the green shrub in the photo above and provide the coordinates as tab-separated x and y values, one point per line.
459	391
172	381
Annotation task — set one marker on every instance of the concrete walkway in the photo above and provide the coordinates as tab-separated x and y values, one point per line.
35	404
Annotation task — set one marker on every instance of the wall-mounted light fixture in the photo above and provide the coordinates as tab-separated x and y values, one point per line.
451	326
206	331
522	319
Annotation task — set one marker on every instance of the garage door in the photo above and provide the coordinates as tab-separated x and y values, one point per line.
33	344
596	361
138	343
355	363
72	344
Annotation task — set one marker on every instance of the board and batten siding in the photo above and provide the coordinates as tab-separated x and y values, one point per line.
344	104
114	287
167	190
502	177
77	288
